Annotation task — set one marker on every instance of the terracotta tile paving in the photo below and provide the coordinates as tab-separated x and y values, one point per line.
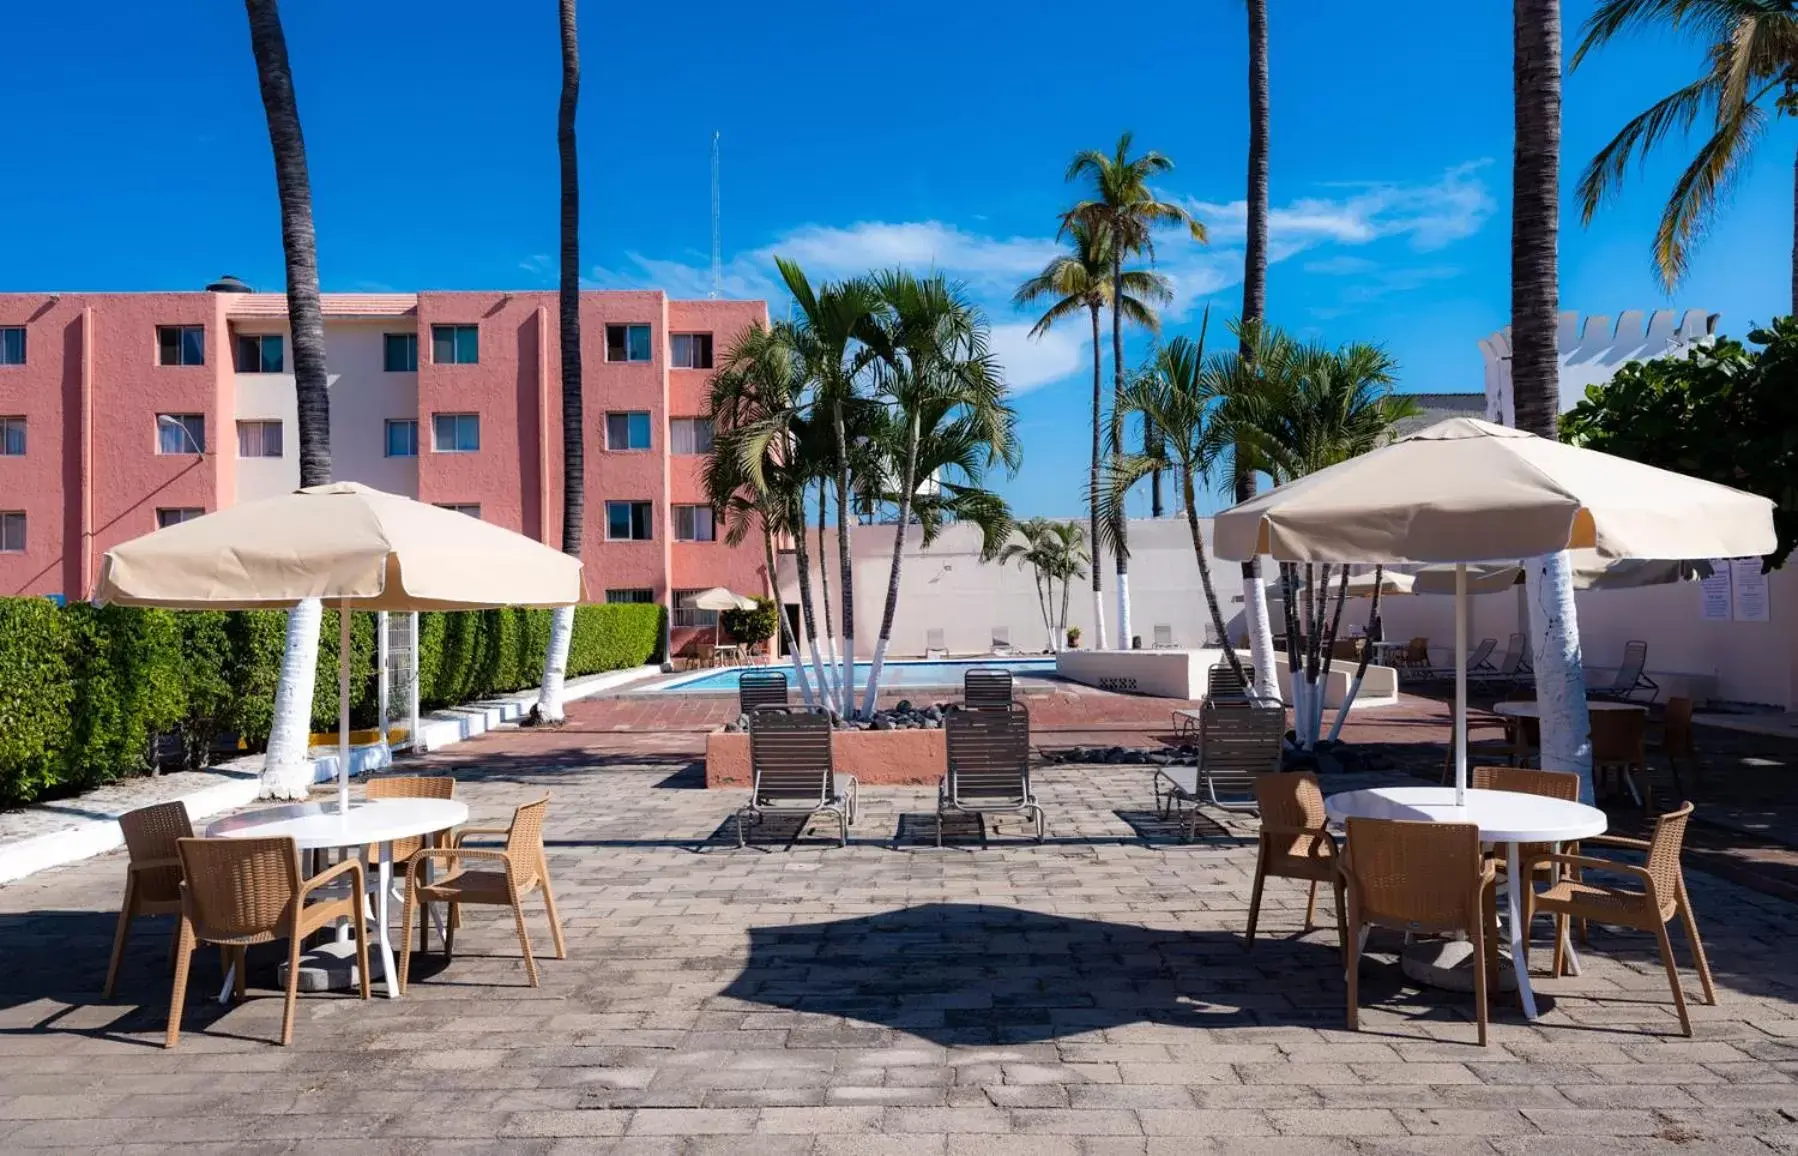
1088	996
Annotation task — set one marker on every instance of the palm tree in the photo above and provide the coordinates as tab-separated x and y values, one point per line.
1254	315
1751	67
1123	214
1070	559
1054	552
1083	279
574	477
286	772
1176	397
1535	368
940	383
831	334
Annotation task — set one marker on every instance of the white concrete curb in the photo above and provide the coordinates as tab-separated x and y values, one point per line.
235	783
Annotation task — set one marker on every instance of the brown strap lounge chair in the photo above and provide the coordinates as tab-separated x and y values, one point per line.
241	892
759	688
153	878
790	758
1225	689
1631	683
986	688
988	768
518	868
1236	745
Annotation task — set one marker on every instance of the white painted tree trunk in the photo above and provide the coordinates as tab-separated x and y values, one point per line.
1098	619
874	668
287	769
1560	679
1124	610
1347	702
1261	640
555	664
821	672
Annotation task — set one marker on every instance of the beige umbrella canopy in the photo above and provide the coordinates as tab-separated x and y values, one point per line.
1359	585
718	598
1468	491
1591	571
346	544
341	542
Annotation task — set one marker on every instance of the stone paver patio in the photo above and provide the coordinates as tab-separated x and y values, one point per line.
1087	996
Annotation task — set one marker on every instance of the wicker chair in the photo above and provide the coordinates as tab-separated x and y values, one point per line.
153	877
794	773
1420	878
1678	743
1295	843
988	768
409	787
1661	896
240	892
1620	752
759	688
986	688
522	868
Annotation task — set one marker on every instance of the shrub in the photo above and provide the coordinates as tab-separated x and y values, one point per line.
752	626
35	693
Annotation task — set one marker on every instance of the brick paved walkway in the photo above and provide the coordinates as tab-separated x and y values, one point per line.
1090	996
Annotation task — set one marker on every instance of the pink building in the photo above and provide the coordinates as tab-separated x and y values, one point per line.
120	412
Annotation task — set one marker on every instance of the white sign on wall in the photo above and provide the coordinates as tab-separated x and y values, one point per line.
1750	590
1713	593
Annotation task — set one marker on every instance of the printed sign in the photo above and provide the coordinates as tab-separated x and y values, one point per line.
1750	589
1713	592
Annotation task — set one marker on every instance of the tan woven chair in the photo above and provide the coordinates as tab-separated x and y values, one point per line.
1425	879
1661	896
1295	843
520	868
409	787
1620	752
1678	743
241	892
153	877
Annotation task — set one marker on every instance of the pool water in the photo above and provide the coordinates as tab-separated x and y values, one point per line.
935	673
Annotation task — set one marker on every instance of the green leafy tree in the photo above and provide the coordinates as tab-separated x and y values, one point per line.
1054	552
1748	77
752	626
1725	412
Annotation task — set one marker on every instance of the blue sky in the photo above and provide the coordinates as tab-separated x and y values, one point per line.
854	136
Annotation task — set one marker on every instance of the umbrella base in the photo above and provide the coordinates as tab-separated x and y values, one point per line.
1448	964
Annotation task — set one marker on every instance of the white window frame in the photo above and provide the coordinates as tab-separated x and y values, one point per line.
167	516
8	424
13	518
627	359
180	344
191	443
412	340
257	428
455	328
437	446
687	519
697	341
648	596
237	342
20	330
472	509
649	427
387	428
632	502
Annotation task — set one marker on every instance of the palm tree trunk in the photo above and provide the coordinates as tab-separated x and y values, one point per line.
780	613
828	674
1535	369
1188	493
574	476
1795	235
1373	619
909	483
287	773
845	572
802	562
1329	657
1092	496
1121	552
1151	447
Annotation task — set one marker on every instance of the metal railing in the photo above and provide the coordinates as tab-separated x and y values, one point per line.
688	616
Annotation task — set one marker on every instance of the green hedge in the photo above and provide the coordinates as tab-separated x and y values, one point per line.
85	692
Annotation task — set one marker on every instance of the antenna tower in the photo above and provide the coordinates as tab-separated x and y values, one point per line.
717	236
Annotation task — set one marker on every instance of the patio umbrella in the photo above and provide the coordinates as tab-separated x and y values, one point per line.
719	598
1468	491
346	544
1591	571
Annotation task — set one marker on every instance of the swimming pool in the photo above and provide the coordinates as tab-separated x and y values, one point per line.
932	673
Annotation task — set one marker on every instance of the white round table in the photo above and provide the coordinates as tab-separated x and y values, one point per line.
318	826
1508	817
1530	708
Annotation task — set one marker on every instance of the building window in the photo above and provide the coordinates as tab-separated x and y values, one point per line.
180	433
181	345
399	352
455	345
635	595
456	433
686	614
12	345
167	516
695	524
627	431
402	437
690	435
261	353
258	439
691	350
629	522
12	437
472	509
12	531
627	343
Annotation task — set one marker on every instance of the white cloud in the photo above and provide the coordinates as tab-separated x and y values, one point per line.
1430	216
1343	266
1032	362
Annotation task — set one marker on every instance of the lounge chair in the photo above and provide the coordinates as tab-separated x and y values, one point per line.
1630	680
760	688
934	645
986	688
1164	636
1235	746
1510	669
1224	688
988	768
1001	640
790	758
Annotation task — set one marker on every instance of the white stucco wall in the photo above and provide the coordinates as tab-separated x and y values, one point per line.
265	397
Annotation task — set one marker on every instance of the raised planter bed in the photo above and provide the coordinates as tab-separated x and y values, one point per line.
876	758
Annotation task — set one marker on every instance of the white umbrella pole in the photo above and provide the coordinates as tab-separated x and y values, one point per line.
343	707
1460	684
